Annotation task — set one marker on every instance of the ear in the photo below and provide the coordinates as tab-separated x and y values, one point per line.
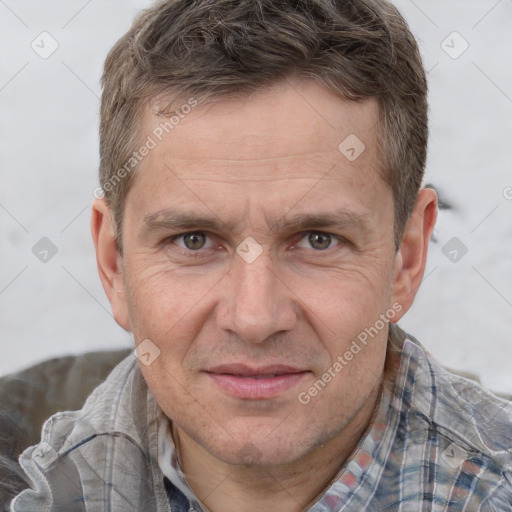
109	261
411	256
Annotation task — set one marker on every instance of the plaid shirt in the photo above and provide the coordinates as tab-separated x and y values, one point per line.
439	442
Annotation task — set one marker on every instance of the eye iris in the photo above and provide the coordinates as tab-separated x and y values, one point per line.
319	240
194	241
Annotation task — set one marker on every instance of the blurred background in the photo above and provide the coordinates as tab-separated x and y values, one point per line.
51	299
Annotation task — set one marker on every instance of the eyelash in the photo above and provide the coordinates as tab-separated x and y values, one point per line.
199	252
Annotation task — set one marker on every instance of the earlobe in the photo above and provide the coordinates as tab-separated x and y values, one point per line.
411	257
109	261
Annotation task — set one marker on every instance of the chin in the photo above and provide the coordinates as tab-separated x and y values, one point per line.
253	447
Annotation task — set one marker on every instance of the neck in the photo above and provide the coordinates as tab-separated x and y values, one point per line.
292	487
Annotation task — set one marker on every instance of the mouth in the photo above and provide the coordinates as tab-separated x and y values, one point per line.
251	383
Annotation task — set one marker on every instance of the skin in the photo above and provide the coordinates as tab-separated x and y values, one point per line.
247	163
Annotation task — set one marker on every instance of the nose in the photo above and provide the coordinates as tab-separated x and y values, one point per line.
256	303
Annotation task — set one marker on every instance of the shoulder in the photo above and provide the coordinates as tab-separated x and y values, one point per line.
446	440
99	454
107	409
448	429
458	406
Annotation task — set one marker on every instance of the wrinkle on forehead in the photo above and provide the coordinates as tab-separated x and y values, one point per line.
249	161
309	166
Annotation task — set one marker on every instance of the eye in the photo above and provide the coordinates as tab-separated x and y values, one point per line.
193	241
318	241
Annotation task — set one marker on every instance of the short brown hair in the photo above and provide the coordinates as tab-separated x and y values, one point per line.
217	48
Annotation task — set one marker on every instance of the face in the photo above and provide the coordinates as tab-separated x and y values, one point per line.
255	253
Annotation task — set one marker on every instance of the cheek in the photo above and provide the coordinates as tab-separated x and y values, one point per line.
176	394
347	295
160	286
350	313
167	305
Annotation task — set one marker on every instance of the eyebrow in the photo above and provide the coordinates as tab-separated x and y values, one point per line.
176	220
340	219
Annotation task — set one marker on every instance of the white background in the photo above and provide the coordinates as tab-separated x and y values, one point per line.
49	159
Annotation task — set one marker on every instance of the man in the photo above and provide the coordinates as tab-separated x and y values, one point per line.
262	231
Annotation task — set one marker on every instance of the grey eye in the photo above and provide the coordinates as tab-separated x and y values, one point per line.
194	241
319	241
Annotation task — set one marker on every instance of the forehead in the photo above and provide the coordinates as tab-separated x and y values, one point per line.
291	117
293	141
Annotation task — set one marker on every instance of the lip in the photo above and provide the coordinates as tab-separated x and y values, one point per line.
242	381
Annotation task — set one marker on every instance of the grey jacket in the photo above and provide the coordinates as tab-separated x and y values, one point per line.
102	458
29	397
